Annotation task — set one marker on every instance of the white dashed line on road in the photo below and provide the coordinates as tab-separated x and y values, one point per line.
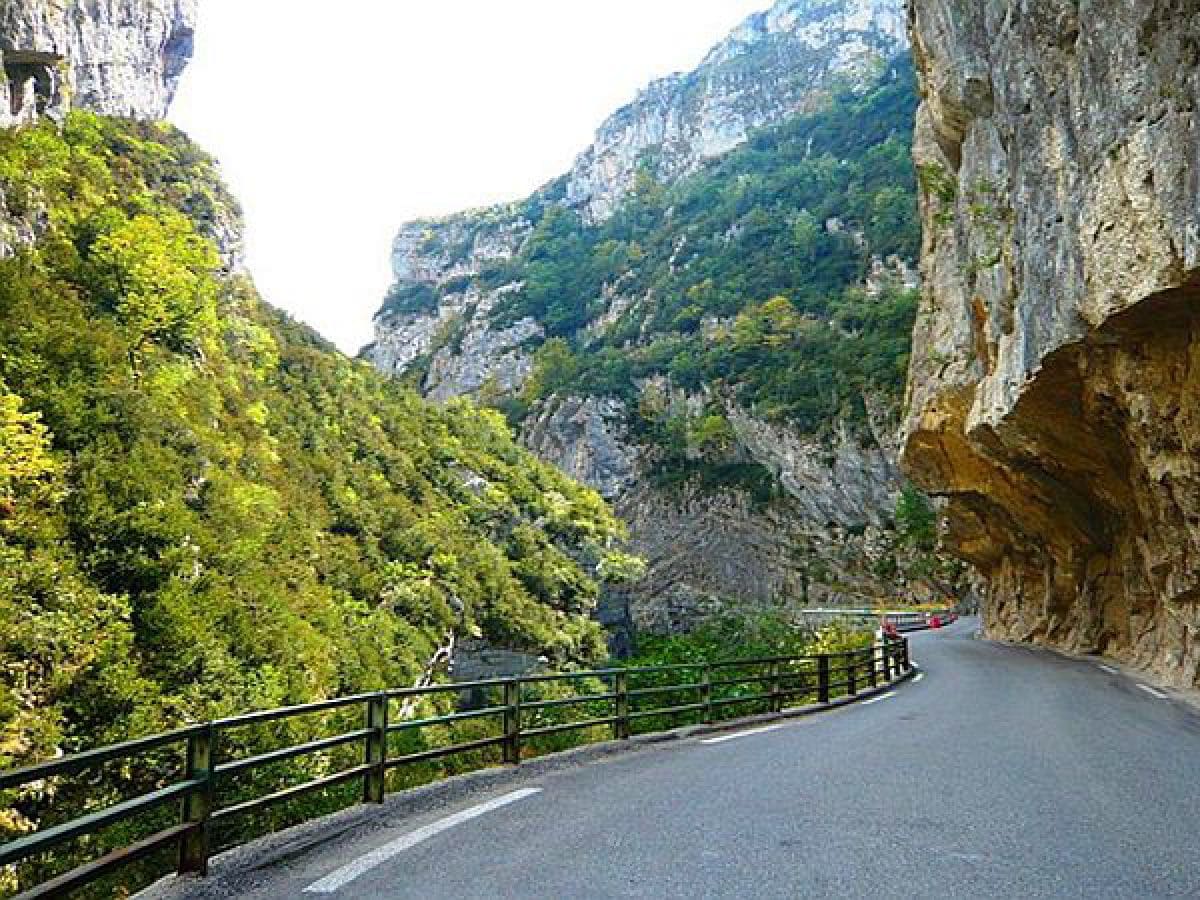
1109	669
886	696
741	734
1153	692
337	880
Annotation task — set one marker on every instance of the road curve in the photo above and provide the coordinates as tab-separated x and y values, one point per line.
1003	772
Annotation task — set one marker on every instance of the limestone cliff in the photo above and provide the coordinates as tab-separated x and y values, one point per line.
110	57
785	519
776	64
751	466
1054	394
113	57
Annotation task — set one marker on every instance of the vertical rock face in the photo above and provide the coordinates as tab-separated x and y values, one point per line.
778	63
114	57
1054	394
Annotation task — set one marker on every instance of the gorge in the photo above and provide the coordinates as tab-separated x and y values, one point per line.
204	508
883	303
707	320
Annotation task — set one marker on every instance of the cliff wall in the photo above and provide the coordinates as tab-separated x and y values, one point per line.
112	57
778	63
1053	395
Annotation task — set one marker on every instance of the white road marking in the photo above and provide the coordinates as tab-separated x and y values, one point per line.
1153	692
918	677
886	696
741	734
1109	669
338	879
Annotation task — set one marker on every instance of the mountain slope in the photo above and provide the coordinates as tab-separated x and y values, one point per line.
722	351
203	507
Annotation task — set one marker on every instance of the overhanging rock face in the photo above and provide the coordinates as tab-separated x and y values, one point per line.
114	57
1055	387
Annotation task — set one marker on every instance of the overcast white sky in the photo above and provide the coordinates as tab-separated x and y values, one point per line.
336	122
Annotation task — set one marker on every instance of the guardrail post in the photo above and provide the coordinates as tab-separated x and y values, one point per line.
512	721
822	678
621	689
873	665
776	697
852	676
198	805
376	750
905	663
706	695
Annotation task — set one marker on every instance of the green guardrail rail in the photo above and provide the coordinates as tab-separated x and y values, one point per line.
705	690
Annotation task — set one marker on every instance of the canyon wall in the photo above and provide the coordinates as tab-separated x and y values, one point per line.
1054	395
113	57
110	57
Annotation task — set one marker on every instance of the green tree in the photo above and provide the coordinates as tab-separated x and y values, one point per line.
916	520
156	275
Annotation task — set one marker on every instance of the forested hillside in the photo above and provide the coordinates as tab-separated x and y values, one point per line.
748	274
724	354
203	508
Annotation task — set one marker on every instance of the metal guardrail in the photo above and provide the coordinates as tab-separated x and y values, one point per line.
702	688
904	621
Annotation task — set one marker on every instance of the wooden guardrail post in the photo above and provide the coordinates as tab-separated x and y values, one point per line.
823	678
376	749
198	805
873	666
512	721
706	694
621	689
852	675
905	662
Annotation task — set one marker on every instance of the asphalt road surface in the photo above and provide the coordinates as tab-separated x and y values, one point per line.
1001	772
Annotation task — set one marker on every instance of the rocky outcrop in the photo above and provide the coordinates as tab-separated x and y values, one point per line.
114	57
452	338
588	439
1053	391
820	533
848	480
775	65
706	551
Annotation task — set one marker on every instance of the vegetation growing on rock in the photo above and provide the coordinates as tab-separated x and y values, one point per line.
746	277
723	353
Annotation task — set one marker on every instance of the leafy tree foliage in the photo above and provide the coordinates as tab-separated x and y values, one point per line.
916	520
745	634
203	507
